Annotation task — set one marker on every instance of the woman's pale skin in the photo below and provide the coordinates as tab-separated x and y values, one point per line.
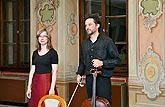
43	40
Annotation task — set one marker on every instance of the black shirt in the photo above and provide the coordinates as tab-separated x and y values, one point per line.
43	62
103	49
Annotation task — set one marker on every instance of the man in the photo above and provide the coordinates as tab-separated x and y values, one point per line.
97	51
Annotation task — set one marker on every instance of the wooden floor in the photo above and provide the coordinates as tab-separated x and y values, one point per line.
8	106
11	106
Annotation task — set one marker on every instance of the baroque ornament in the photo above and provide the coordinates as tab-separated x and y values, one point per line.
46	11
150	10
151	73
72	29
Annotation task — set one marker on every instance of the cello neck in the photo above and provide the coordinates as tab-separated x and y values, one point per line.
94	89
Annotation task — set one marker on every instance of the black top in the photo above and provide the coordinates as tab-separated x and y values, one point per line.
103	49
43	62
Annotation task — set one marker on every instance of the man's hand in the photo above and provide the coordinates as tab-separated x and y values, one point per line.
78	78
81	80
97	63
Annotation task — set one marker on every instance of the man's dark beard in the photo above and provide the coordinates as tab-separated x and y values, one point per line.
91	33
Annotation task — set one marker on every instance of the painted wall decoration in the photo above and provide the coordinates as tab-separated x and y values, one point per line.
151	73
150	10
72	29
46	11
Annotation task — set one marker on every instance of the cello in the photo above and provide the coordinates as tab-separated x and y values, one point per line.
95	101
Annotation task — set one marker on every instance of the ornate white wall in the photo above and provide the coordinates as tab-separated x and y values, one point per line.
146	34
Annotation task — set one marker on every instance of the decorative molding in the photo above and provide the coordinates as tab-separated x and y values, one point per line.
46	11
151	73
134	80
150	10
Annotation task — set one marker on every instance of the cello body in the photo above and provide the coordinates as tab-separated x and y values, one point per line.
100	102
95	101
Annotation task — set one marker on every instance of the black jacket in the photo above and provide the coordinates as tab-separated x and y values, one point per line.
103	49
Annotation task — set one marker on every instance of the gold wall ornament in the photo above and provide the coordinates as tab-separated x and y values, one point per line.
151	73
150	10
46	11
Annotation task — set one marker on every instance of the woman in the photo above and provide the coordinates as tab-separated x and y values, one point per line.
42	76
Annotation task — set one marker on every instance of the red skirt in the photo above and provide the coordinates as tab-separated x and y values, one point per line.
40	87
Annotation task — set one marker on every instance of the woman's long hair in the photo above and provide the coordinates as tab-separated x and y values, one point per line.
49	44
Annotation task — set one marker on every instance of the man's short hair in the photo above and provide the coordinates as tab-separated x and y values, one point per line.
95	17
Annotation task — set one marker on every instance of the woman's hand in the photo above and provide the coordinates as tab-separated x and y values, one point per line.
28	93
51	91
